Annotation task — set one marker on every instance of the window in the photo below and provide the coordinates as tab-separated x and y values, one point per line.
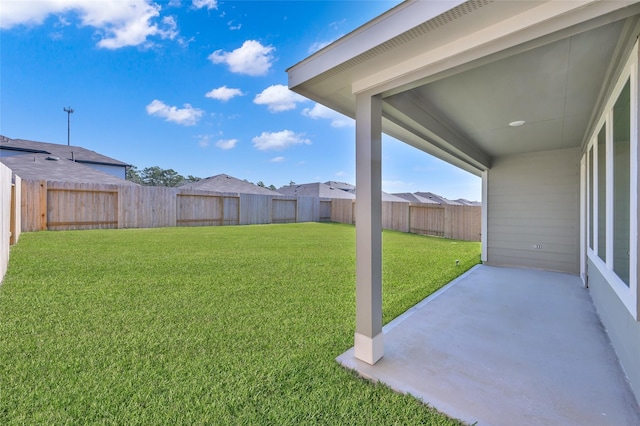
590	190
621	183
602	193
611	206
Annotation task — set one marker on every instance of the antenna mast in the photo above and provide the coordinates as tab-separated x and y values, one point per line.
69	111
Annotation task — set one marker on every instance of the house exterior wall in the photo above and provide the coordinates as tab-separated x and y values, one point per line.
533	211
117	171
623	330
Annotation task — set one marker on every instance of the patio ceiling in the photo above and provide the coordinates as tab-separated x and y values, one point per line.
452	82
553	88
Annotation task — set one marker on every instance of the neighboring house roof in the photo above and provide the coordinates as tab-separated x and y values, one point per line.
13	147
413	198
393	198
437	198
226	183
316	189
468	203
37	166
347	187
341	185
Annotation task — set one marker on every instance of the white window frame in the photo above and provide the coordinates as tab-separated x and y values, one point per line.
627	294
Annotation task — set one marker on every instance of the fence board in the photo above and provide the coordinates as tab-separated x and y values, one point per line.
427	220
255	209
199	210
342	210
5	217
325	210
148	206
16	217
395	215
81	206
284	210
308	209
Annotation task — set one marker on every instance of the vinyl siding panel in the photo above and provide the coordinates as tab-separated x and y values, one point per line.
533	211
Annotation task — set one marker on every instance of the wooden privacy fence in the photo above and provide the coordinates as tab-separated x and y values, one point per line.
64	206
51	205
448	221
10	223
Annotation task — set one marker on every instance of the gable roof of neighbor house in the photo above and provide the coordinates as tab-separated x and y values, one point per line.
341	185
75	153
437	198
315	189
53	162
414	198
347	187
38	166
226	183
452	75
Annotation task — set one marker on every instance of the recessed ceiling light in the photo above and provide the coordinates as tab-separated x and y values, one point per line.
517	123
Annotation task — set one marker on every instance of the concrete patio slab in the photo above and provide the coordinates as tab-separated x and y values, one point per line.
505	346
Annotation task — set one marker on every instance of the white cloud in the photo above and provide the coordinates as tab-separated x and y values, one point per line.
252	58
223	93
227	143
233	27
118	23
318	45
278	98
209	4
187	116
341	174
277	159
321	111
277	141
204	140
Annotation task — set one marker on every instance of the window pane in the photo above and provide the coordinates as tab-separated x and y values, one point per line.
602	194
621	183
590	192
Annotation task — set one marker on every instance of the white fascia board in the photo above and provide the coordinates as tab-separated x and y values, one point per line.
396	21
528	25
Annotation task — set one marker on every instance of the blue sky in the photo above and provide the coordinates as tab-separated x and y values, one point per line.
198	86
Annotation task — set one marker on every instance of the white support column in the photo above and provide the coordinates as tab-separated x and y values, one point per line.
368	336
484	224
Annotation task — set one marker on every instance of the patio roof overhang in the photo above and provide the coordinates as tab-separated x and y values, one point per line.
452	75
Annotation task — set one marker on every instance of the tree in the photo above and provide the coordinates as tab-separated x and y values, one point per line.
291	182
271	187
157	176
133	175
260	184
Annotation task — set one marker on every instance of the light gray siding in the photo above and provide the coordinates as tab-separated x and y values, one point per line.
117	171
623	330
533	210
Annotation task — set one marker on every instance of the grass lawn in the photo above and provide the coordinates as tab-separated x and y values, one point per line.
212	325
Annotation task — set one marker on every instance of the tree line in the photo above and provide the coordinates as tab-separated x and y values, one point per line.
157	176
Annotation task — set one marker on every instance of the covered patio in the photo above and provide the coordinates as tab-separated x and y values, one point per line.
540	99
504	346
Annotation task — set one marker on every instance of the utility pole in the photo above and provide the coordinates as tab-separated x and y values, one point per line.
69	111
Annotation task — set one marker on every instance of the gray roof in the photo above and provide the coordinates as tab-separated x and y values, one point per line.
468	203
414	198
316	189
226	183
36	166
393	198
437	198
341	185
77	153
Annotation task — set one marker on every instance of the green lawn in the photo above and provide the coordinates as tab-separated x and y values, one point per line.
215	325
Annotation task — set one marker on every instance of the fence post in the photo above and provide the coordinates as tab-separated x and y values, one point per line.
42	203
